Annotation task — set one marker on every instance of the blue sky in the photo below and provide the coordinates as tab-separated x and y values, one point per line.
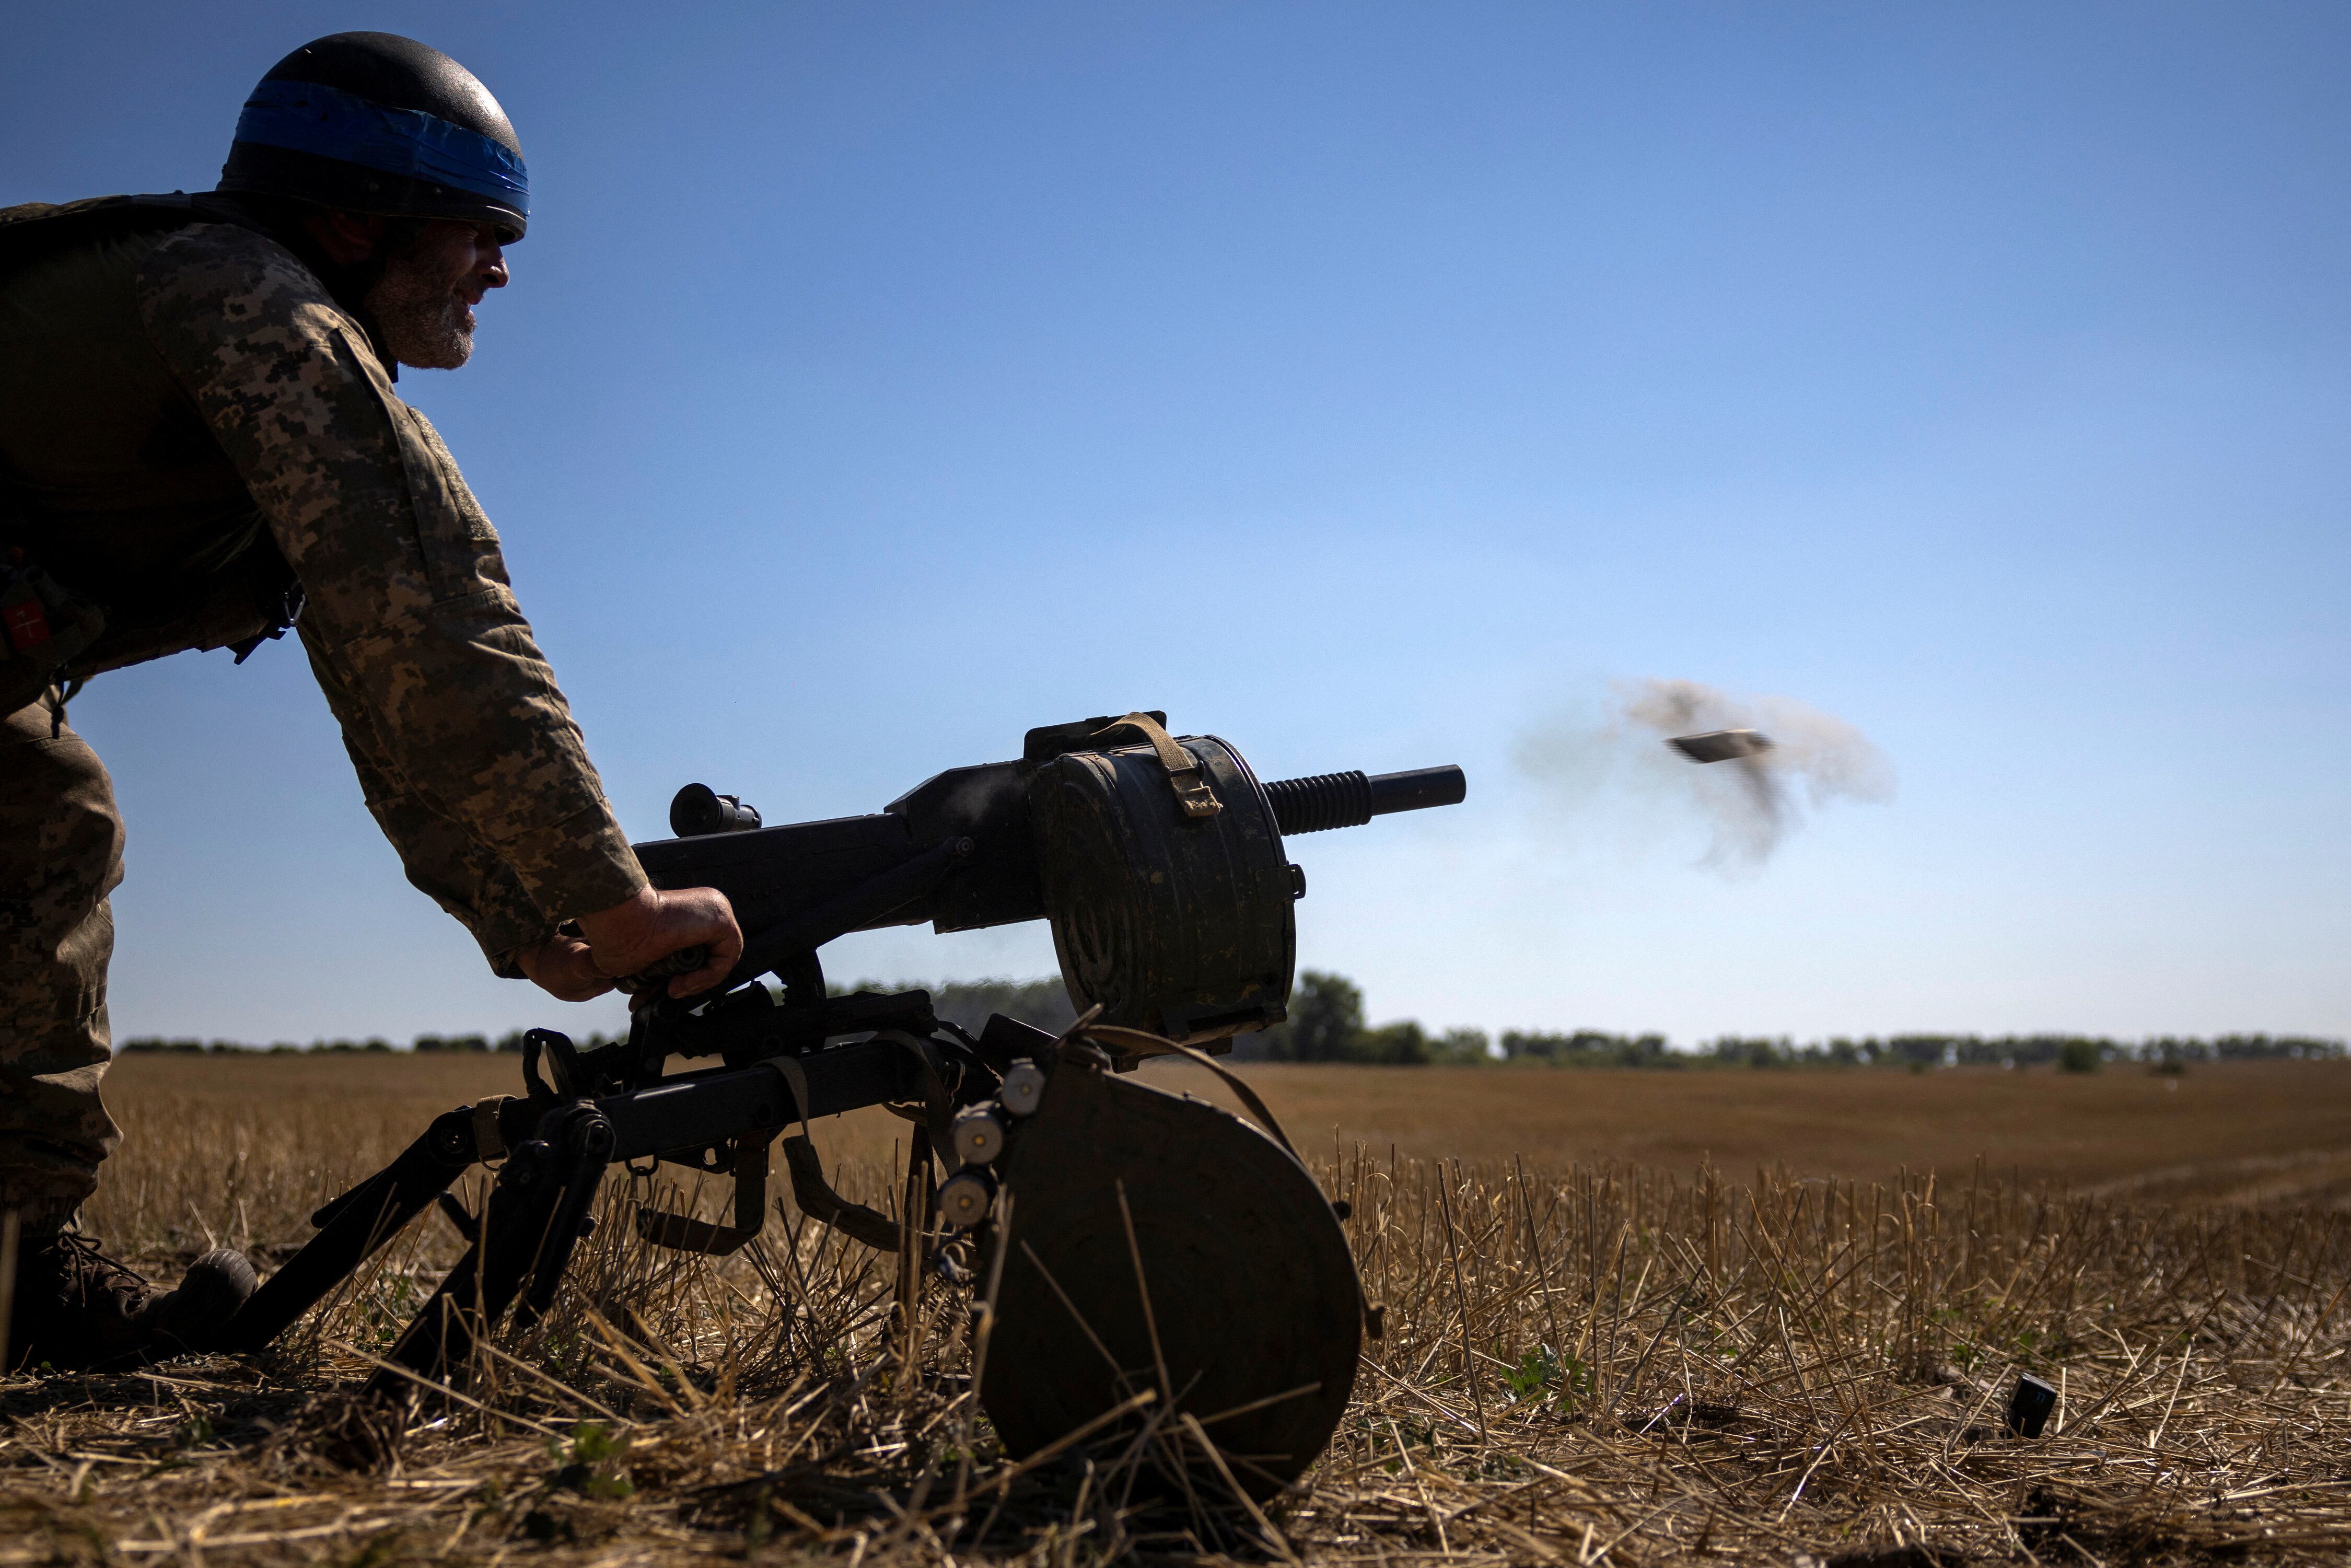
1371	385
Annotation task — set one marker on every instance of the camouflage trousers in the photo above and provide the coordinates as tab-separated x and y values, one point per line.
60	855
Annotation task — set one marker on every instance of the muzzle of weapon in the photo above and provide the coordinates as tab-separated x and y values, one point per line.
1322	801
1159	861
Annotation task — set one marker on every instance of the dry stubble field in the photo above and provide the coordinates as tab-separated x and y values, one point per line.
1600	1347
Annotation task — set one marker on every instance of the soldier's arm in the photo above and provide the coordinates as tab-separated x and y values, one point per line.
437	678
443	860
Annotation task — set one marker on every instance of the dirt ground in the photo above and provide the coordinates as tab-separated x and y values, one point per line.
1599	1346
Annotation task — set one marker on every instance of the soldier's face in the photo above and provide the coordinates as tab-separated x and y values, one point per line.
424	304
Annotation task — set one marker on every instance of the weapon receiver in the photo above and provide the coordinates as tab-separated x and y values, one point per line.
1146	902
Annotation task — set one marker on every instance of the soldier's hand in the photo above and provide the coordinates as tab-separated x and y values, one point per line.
563	969
623	939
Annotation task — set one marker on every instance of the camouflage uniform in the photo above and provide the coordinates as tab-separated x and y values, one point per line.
233	354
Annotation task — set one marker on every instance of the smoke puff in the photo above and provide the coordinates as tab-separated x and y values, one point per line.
1748	805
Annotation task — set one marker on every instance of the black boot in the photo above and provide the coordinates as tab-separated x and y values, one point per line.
77	1309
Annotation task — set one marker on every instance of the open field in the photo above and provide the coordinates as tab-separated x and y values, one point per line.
2250	1131
1607	1354
2260	1132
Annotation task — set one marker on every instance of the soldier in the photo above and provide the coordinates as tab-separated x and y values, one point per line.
200	447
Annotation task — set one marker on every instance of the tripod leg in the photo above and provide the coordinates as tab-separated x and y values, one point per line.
530	1228
475	1293
352	1228
587	1141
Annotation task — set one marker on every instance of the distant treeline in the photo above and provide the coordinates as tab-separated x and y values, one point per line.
1043	1003
2075	1053
1327	1024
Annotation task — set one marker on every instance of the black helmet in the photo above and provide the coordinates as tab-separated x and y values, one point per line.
372	122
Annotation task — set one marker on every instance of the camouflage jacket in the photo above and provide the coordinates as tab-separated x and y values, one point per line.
466	749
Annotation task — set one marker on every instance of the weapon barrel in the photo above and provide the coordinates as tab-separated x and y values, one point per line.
1321	802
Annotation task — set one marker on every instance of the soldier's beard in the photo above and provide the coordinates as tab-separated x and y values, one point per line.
422	310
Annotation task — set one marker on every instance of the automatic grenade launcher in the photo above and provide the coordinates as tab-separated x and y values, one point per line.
1143	1237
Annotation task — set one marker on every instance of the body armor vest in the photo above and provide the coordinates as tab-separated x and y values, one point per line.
111	482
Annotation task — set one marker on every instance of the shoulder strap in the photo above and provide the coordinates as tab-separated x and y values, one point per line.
36	223
50	222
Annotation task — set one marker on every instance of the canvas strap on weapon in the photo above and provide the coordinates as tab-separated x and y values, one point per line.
1141	1043
1184	772
815	1195
489	1142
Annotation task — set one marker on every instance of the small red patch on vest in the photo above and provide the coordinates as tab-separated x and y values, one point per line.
28	627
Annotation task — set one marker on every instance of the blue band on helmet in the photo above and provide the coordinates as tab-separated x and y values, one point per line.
306	117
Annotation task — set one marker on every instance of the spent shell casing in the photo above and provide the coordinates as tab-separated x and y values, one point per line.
1721	745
